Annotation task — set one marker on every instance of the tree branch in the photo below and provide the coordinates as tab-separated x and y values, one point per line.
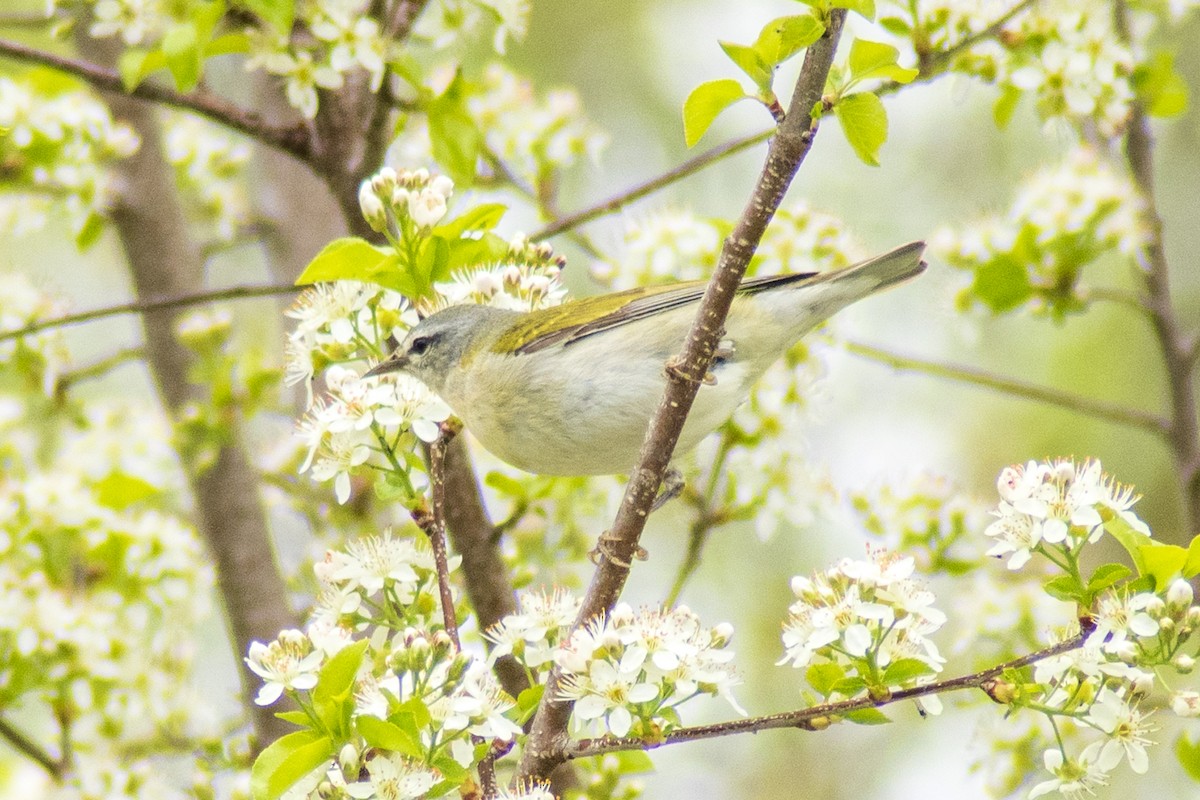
292	140
791	143
1099	409
806	717
151	305
1177	346
28	747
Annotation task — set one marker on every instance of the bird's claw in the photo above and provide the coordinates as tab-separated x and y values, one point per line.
672	487
603	549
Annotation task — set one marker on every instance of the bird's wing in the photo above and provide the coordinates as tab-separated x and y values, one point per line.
559	325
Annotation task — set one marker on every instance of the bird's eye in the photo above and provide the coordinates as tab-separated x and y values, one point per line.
419	345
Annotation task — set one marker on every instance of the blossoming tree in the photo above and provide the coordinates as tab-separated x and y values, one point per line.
405	611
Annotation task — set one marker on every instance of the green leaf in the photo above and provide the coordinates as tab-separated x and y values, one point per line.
528	699
287	760
634	762
333	696
876	60
277	13
457	141
1163	562
905	670
823	677
1002	284
433	263
782	38
749	61
482	217
868	716
897	26
510	487
417	710
1188	753
135	64
1191	567
226	44
470	252
1128	538
1006	105
864	122
849	687
89	232
119	491
185	58
1106	575
295	717
389	736
1162	90
354	259
705	103
866	8
1065	588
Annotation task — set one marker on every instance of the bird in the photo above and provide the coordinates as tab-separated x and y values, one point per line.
569	390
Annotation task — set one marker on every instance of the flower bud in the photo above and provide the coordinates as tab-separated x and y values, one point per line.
419	176
1141	683
1166	625
1186	704
348	760
384	182
1179	594
722	635
1193	616
1183	663
426	207
1155	607
442	185
372	207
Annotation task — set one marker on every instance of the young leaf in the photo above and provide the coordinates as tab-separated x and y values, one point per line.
876	60
388	736
1163	562
905	670
287	760
1160	87
332	697
864	122
749	61
823	677
456	140
482	217
1106	575
1002	284
782	38
868	716
1188	753
353	259
277	13
1065	588
185	58
866	8
704	104
1006	104
135	64
1191	567
295	717
1128	538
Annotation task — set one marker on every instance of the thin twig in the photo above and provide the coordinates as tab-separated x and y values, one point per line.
618	201
68	379
932	64
685	373
28	747
30	20
1178	347
806	717
293	140
1109	412
147	306
435	528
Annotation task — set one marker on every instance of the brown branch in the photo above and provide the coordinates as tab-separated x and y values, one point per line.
67	380
292	140
1177	347
931	65
434	525
685	372
152	305
806	718
618	201
26	746
1110	412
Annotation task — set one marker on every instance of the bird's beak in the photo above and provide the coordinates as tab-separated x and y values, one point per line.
393	363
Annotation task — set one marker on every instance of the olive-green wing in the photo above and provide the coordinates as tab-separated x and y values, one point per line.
561	324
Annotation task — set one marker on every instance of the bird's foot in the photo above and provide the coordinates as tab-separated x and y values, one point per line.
604	547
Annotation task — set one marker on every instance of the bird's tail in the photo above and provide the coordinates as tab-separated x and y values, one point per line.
894	266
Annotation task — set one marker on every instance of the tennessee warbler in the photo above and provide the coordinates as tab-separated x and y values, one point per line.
570	390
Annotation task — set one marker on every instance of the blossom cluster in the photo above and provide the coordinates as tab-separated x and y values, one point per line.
102	586
43	356
415	197
1063	220
209	166
57	144
376	607
1055	508
629	672
869	619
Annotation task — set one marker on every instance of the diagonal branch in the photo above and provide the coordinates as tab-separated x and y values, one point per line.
810	718
31	749
1110	412
291	140
788	148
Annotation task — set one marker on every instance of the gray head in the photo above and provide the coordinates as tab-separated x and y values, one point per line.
439	343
